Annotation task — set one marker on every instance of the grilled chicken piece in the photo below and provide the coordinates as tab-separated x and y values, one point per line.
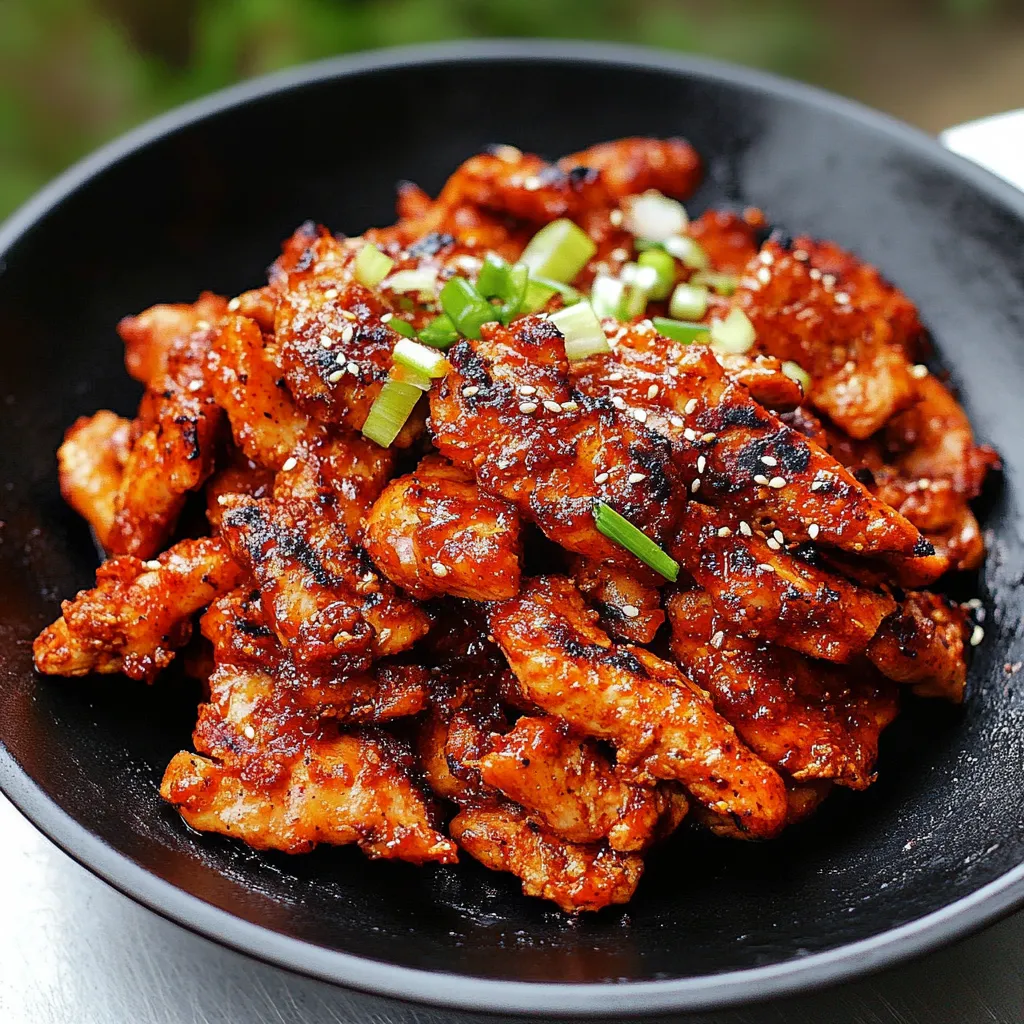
241	476
766	591
172	450
572	789
91	463
138	613
923	644
733	452
662	726
808	719
322	597
149	336
573	876
345	788
859	371
729	240
434	532
805	799
628	600
769	385
506	411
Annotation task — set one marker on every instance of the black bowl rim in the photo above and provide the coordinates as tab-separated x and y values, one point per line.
957	920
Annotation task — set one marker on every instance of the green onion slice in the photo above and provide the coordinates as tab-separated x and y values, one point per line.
796	372
607	296
688	302
688	251
654	216
466	307
583	333
402	327
724	284
439	333
372	266
682	330
734	334
421	279
560	250
664	268
388	414
540	290
499	280
413	377
414	356
623	532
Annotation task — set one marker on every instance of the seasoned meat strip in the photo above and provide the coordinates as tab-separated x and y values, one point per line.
808	719
322	597
91	464
138	613
506	411
767	591
662	726
345	788
573	790
628	600
434	532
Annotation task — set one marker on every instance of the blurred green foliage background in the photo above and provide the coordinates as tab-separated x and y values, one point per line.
74	73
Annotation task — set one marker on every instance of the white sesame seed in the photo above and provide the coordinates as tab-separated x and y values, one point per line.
438	569
813	530
640	415
766	257
289	464
774	544
695	486
718	639
326	341
527	389
778	535
924	483
234	304
618	401
690	434
194	385
527	407
619	255
569	406
470	390
708	437
635	478
691	406
815	274
676	421
250	732
842	298
384	635
777	482
387	318
828	280
764	275
348	314
768	460
630	611
760	478
223	499
532	183
331	293
615	217
347	334
724	531
817	485
701	463
152	564
919	371
601	478
801	255
977	635
765	567
974	603
652	391
333	378
614	376
552	406
352	368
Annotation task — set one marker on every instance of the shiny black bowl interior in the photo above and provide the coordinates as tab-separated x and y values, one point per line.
201	200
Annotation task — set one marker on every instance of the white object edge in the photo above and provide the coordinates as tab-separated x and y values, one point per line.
996	143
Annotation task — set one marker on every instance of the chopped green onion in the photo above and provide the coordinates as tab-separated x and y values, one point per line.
439	332
797	373
682	330
688	302
560	250
664	267
413	377
402	327
540	290
583	333
468	310
499	280
607	296
421	279
690	252
724	284
414	356
654	216
734	334
392	408
622	531
372	266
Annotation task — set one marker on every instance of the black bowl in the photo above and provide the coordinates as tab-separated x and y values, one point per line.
200	199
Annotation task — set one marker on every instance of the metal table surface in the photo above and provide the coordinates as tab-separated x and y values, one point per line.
74	951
